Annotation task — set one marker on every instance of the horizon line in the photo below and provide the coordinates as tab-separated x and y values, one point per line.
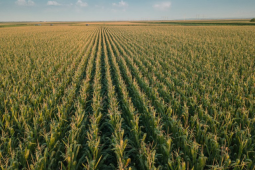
186	19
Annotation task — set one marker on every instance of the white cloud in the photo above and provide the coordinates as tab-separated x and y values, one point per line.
25	2
162	6
120	4
81	4
53	3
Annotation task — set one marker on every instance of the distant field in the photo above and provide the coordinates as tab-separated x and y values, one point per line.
242	22
16	24
205	23
117	96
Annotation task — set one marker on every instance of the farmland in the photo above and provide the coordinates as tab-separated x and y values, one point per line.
144	96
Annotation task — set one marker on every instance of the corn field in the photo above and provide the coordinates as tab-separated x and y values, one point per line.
127	97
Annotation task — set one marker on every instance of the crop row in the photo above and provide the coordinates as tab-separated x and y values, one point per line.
127	98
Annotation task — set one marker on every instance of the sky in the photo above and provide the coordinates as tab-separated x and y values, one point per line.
115	10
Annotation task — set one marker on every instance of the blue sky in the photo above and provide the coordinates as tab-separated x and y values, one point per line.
101	10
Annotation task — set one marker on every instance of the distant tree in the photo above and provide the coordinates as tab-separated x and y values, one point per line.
253	20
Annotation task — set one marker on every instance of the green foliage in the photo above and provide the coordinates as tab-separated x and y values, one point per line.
253	20
122	97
